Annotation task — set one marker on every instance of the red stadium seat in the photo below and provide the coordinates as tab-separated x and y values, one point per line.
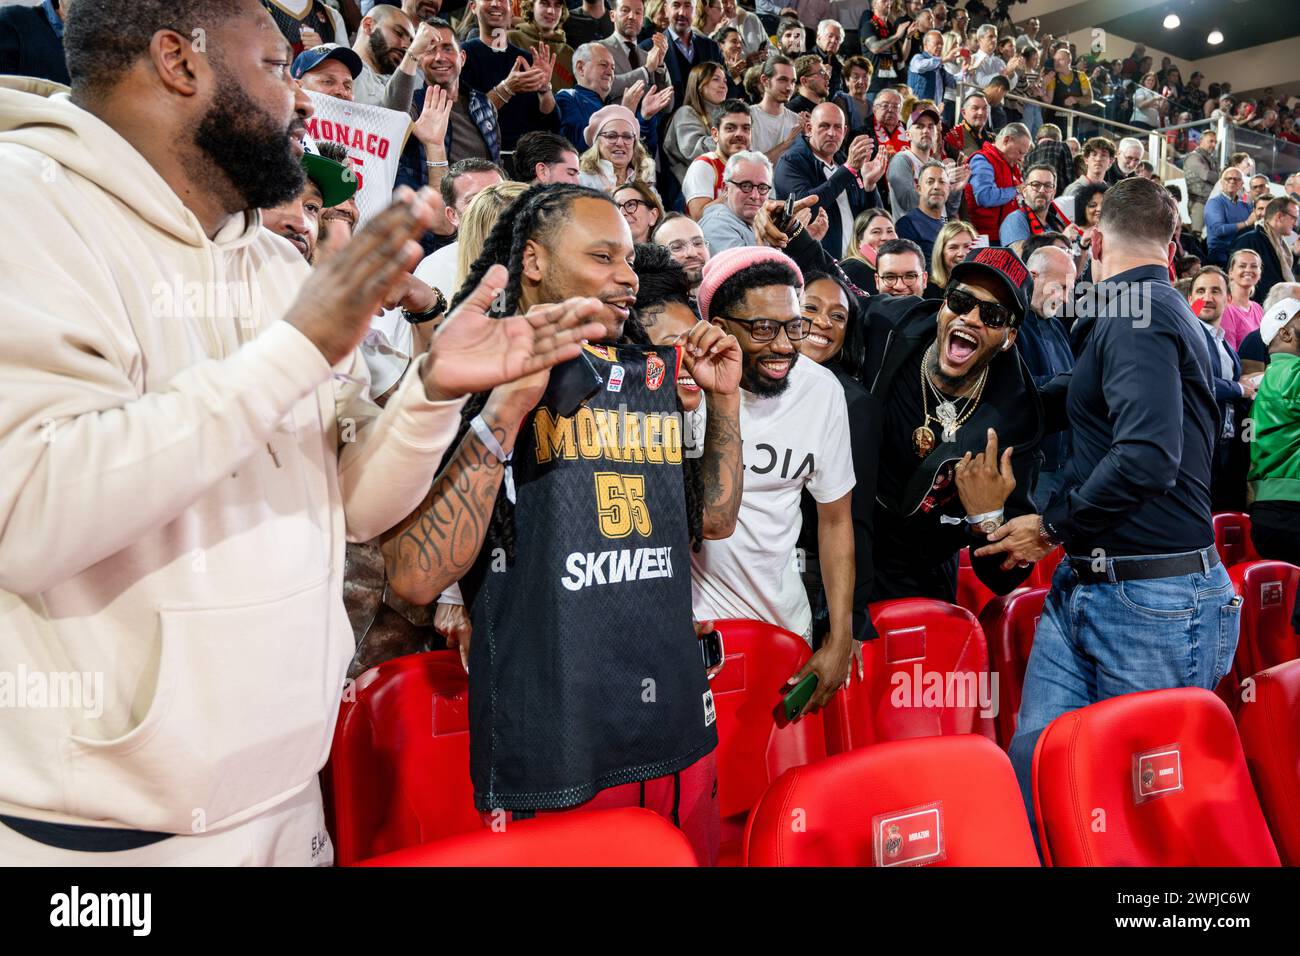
925	676
752	750
1149	779
398	774
972	594
1044	569
1270	737
1009	623
955	800
1267	589
1232	538
628	836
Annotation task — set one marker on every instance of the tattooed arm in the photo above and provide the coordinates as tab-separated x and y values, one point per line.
437	543
713	359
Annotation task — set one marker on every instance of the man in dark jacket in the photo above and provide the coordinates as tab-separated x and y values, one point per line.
686	48
1277	260
844	182
31	42
954	390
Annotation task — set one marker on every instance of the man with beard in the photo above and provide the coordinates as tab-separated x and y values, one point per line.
844	183
390	56
795	424
1037	213
967	138
776	126
810	73
328	184
574	567
209	446
703	182
1128	160
631	63
730	223
954	390
685	242
905	168
923	223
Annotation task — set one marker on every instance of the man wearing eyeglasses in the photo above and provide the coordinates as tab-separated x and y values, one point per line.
1037	213
730	223
843	182
900	268
962	423
685	242
795	429
1226	216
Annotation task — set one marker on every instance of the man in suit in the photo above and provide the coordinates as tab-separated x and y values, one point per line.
631	63
1277	260
31	42
686	48
844	183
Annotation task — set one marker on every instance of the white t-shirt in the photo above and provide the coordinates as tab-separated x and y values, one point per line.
699	181
845	210
438	269
797	439
768	131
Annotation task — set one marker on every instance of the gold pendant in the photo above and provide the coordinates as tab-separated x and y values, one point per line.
923	441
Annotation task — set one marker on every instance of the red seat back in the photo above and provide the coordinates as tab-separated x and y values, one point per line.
752	750
625	837
398	774
951	795
1106	784
926	675
1270	737
1232	538
972	594
1045	568
1009	623
1267	589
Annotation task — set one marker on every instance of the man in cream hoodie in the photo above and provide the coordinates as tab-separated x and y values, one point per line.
187	443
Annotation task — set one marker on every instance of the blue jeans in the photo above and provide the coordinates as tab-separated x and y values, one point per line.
1096	641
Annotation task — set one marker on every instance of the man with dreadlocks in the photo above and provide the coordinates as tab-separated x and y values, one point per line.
587	686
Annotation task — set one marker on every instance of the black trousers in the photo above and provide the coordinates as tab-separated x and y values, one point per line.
1275	532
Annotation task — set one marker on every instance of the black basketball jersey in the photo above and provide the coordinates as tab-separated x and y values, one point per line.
585	672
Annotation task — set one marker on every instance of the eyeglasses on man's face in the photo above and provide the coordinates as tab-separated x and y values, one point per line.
679	246
747	187
765	330
1039	186
896	278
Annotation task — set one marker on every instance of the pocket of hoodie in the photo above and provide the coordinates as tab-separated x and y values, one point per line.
244	701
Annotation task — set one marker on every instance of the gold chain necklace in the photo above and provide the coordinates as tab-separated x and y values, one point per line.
946	414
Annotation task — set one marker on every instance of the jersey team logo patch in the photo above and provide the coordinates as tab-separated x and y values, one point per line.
615	383
710	715
654	371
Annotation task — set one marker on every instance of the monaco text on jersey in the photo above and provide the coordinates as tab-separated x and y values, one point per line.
609	434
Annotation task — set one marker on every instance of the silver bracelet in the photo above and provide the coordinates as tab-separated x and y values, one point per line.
488	439
986	516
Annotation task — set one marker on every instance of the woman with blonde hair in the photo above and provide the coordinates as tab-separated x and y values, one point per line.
616	153
481	215
1242	315
951	246
871	229
656	17
708	16
689	132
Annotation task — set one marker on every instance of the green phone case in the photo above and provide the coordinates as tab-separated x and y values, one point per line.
795	701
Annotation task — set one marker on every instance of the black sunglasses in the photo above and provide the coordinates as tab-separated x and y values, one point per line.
992	314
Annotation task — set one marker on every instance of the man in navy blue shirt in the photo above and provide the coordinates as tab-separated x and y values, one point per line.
517	83
1226	216
1141	602
923	223
1045	346
31	42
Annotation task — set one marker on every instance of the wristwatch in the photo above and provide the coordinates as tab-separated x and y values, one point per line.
438	308
985	523
1047	536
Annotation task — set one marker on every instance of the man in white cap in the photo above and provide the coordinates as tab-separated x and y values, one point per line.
1274	474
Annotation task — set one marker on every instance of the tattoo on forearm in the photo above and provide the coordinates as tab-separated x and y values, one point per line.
721	467
439	541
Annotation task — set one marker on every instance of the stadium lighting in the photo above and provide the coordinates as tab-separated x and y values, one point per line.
1172	22
1215	37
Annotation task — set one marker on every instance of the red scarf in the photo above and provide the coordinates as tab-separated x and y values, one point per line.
897	140
881	27
885	59
1036	225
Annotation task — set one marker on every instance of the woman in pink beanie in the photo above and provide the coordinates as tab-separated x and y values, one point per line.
617	155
